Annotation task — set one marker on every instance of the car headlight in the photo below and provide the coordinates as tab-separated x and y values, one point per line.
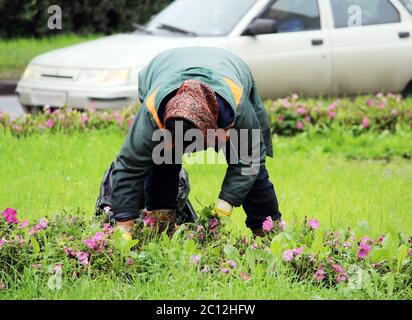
105	76
32	72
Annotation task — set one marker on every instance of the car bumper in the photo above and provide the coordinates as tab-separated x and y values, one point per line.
42	93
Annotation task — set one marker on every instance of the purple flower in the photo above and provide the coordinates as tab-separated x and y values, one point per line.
288	255
300	125
341	277
267	225
24	224
69	251
365	123
297	251
213	223
49	124
231	264
301	111
83	258
41	225
108	229
320	273
97	242
195	259
129	261
314	224
225	270
363	251
10	215
337	268
246	277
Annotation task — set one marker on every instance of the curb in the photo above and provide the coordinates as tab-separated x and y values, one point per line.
8	87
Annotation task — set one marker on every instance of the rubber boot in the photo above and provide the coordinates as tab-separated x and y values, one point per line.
163	219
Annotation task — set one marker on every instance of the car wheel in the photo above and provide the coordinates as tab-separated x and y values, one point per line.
32	109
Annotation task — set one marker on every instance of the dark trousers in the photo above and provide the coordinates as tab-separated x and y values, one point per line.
162	183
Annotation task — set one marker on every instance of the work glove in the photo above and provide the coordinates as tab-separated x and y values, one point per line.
126	228
223	209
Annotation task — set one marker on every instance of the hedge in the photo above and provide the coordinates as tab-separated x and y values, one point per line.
22	18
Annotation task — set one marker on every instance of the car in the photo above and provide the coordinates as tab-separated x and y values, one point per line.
311	47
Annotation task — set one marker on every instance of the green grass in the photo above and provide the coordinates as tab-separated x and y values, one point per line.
15	54
47	174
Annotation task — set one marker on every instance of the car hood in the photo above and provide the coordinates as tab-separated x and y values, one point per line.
133	50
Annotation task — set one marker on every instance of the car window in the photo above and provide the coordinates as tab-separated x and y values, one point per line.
407	4
294	15
204	18
351	13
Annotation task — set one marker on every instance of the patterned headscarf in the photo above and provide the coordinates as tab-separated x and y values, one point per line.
196	102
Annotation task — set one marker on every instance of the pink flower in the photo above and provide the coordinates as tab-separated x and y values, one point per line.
246	277
49	124
213	223
2	242
332	115
382	105
10	215
84	118
225	270
254	245
366	241
97	242
295	96
129	261
58	267
301	111
337	268
380	240
286	103
332	107
195	259
363	251
108	229
2	286
282	225
83	258
206	269
370	102
41	225
267	225
365	123
298	251
314	224
300	125
231	264
341	277
199	228
24	224
320	273
107	209
410	252
69	251
346	244
288	255
149	221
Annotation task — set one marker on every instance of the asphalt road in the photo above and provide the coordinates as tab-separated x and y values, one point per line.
10	105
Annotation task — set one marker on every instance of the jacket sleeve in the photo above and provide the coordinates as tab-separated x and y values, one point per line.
251	154
131	167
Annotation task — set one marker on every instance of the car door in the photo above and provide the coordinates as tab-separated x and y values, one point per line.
295	59
371	47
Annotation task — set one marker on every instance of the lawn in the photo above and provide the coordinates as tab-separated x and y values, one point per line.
15	54
323	177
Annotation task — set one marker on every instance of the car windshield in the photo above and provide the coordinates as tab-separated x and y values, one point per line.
201	18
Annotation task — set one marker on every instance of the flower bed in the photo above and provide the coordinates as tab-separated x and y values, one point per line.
288	116
74	247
